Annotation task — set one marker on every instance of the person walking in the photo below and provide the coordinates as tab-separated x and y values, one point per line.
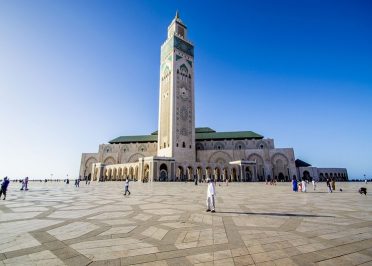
329	185
4	187
126	187
26	183
294	184
314	185
211	193
77	182
303	185
334	184
23	184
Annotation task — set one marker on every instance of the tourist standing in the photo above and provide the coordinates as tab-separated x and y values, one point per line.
334	184
314	185
303	185
126	187
294	184
23	184
77	182
26	183
4	187
329	185
211	192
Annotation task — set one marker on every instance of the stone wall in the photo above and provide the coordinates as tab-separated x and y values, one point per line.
212	159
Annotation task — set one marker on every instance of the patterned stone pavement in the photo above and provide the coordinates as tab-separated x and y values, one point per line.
166	224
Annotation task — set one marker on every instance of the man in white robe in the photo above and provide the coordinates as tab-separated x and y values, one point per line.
211	192
303	185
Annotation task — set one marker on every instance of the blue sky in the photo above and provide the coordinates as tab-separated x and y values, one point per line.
74	74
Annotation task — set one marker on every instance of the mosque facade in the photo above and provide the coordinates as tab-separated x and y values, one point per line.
178	151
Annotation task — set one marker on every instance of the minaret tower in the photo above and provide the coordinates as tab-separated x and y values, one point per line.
176	135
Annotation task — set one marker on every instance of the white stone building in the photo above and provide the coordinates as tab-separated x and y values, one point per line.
178	151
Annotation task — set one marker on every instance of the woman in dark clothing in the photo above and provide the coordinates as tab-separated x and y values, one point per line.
4	187
294	184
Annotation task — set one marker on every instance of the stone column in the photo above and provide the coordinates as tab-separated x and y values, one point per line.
241	174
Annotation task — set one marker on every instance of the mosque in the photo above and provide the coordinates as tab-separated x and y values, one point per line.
178	151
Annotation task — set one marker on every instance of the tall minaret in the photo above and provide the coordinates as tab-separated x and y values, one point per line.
176	136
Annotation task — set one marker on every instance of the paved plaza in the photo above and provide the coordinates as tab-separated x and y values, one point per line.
166	224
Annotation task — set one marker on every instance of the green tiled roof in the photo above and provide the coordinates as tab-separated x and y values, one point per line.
197	130
300	163
134	139
228	135
203	133
204	130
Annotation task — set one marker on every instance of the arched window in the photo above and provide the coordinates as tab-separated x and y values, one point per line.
199	146
183	145
219	146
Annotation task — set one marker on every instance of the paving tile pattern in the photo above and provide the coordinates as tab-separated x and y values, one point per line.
166	224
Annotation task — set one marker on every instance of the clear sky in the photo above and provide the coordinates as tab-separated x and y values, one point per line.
75	74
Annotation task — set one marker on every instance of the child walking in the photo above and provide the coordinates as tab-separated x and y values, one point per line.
126	187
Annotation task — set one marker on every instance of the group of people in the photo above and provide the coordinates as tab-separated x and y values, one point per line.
272	182
331	185
5	184
25	184
301	186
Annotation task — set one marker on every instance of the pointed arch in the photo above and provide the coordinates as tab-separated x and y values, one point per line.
109	160
134	157
220	157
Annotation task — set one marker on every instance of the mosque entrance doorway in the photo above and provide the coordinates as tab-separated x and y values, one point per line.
163	172
248	174
306	175
234	175
180	174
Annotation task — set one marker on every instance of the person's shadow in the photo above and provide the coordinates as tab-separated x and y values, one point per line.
277	214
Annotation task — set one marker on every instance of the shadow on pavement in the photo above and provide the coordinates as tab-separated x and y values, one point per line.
278	214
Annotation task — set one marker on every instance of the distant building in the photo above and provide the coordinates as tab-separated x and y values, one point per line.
305	170
178	151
